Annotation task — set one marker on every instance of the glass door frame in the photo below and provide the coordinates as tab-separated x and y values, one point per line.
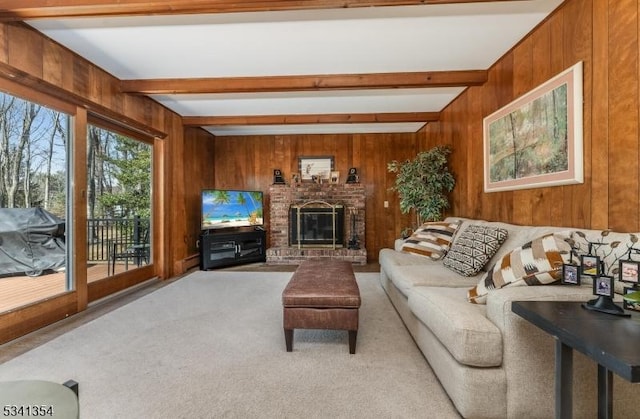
20	321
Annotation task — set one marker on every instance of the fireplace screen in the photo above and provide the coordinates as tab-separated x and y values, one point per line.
316	224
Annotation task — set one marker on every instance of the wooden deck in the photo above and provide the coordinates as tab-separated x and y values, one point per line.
16	291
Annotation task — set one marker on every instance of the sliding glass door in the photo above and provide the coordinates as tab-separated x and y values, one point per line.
119	185
34	202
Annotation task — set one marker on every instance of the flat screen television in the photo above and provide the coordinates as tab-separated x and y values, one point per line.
225	208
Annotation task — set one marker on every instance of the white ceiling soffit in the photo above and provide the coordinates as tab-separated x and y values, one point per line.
311	102
291	129
449	37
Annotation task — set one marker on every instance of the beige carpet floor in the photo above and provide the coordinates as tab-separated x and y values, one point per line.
210	345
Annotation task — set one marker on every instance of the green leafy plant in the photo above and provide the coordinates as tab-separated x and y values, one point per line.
424	183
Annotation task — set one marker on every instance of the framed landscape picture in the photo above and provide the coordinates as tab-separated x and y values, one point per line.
319	167
536	140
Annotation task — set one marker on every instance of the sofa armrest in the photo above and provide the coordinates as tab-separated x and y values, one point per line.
528	352
397	245
499	301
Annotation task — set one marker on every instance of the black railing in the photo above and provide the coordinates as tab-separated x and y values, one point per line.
101	232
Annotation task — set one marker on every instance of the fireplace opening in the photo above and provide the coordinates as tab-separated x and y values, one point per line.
316	224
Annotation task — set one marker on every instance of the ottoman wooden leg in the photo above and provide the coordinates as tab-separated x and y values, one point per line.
353	334
288	339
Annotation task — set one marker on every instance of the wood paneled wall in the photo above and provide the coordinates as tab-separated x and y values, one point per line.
604	35
248	162
199	174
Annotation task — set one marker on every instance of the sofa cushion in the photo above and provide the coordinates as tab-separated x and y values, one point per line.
431	239
473	247
397	257
462	328
537	262
405	277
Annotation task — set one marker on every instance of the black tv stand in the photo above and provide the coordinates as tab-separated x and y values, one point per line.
232	247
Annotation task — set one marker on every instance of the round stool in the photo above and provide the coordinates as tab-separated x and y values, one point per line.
29	398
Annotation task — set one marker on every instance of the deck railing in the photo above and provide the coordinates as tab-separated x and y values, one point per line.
103	231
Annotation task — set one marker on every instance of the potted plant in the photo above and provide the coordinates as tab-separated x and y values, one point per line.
424	183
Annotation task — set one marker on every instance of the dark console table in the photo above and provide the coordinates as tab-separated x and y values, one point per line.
611	341
232	247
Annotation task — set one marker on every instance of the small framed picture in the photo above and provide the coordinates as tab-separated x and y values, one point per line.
317	166
295	178
629	270
570	274
335	177
603	285
590	265
630	305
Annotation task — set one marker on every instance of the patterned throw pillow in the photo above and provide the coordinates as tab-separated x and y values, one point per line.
473	248
537	262
431	239
610	247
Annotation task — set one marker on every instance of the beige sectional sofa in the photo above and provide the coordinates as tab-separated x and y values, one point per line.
491	362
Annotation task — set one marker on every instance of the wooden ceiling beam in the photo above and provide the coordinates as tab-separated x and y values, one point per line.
200	121
305	83
12	10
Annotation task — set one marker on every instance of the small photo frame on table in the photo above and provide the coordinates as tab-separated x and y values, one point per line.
629	271
590	265
603	285
570	274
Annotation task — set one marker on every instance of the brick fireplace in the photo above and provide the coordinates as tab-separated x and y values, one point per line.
284	199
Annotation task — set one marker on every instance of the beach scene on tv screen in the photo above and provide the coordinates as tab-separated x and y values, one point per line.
222	209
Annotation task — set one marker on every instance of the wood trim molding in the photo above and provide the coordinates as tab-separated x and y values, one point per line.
78	194
112	284
25	79
26	319
198	121
13	10
461	78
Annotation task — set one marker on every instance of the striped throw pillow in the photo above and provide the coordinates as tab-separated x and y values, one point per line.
431	239
537	262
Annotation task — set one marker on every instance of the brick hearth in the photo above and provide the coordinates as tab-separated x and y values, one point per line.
352	196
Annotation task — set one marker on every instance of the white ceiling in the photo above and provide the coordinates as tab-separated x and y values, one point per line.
466	36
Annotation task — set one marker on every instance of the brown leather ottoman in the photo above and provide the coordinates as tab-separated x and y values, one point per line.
322	294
